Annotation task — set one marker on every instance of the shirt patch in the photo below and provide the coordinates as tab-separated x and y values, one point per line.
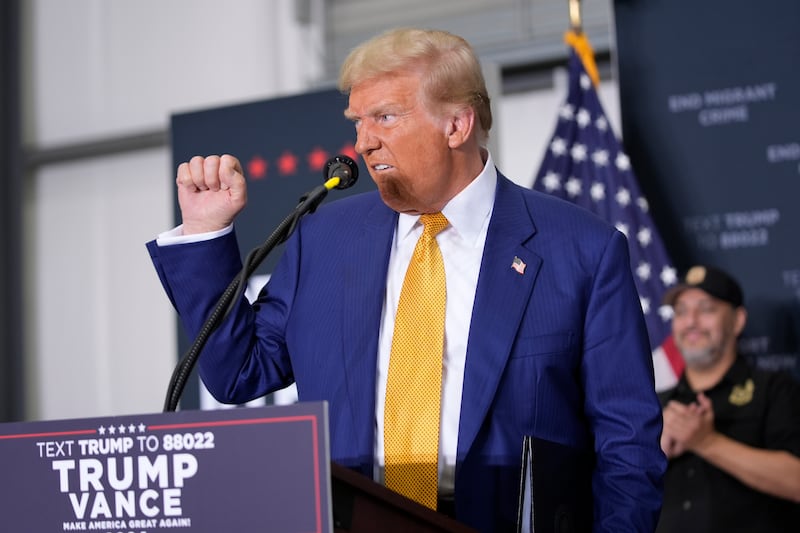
742	394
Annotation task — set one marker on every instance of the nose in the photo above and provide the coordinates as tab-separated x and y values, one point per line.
366	140
689	317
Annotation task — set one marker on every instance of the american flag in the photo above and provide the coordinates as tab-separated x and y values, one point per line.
518	265
585	164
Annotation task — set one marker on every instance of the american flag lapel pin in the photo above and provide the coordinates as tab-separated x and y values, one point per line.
518	265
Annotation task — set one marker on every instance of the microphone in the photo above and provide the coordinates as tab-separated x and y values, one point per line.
341	167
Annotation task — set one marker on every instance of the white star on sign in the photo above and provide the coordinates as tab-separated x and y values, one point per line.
601	124
642	203
665	312
566	112
586	82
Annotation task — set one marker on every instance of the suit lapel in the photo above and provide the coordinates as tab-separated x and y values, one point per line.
501	297
363	287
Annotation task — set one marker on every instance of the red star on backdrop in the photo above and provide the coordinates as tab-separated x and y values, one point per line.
257	168
287	163
350	151
317	158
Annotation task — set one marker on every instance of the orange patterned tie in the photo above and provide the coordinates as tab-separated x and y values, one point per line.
414	383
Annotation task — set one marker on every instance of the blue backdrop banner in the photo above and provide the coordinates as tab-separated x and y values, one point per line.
710	95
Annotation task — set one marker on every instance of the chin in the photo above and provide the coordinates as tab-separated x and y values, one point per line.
394	198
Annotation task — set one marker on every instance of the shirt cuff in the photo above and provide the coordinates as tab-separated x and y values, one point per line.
176	236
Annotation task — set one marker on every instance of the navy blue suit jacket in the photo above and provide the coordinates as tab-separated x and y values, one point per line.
559	352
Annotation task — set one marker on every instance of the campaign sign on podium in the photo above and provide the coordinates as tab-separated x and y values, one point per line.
245	469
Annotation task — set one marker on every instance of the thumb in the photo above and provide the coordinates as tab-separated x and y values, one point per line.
231	177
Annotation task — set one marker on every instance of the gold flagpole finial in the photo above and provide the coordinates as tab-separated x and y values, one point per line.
575	15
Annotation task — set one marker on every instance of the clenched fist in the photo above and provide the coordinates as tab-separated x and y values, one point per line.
211	192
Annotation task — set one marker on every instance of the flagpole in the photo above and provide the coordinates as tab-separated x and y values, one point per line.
575	16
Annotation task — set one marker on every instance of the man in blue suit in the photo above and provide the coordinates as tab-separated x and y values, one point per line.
543	333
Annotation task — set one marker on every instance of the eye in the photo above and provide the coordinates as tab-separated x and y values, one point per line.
385	118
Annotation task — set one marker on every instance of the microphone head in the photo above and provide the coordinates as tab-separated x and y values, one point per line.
341	167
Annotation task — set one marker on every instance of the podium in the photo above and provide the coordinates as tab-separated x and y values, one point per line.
361	505
233	470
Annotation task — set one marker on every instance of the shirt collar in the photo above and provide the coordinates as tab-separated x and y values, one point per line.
736	374
468	210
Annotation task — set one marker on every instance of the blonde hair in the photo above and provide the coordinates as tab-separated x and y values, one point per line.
449	67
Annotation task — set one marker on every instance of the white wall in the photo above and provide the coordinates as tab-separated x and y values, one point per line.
526	122
101	333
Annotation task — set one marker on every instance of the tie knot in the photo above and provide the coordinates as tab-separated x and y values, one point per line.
434	223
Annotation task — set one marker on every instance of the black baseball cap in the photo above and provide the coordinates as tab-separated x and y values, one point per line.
714	281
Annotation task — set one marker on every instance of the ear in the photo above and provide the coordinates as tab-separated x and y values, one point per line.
460	126
740	320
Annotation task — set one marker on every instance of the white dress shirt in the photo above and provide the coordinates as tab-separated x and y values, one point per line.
461	244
